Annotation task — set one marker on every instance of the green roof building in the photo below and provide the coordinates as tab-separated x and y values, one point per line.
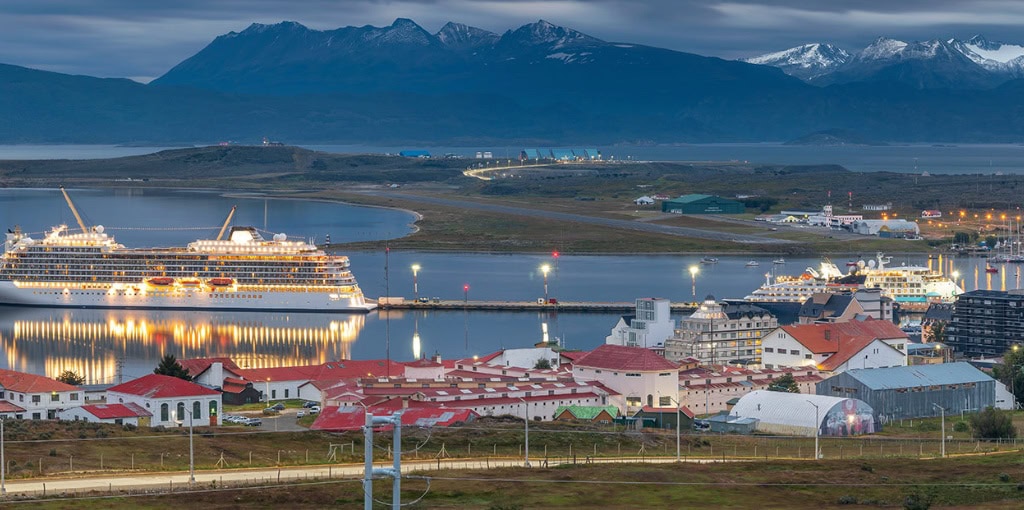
587	413
702	204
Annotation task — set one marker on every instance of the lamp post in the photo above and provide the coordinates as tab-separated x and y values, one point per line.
526	457
678	427
943	424
817	427
268	391
956	277
465	292
693	281
3	462
415	286
191	450
545	269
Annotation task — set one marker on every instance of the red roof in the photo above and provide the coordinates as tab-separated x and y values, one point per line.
573	355
197	366
423	363
332	370
162	386
7	407
812	336
654	410
847	349
113	411
31	383
617	357
353	417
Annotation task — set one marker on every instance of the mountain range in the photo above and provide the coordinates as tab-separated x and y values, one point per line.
539	84
974	63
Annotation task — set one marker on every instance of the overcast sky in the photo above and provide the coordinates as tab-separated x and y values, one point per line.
142	39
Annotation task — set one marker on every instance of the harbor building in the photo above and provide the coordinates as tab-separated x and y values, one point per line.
722	333
986	323
702	204
836	347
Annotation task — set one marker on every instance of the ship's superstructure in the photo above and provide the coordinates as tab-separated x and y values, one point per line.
245	271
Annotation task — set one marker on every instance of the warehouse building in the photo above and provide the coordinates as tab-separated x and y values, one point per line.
796	414
915	391
702	204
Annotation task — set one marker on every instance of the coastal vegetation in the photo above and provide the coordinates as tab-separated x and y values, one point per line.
974	207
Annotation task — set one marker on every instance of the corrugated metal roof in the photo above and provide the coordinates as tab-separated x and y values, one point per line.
918	375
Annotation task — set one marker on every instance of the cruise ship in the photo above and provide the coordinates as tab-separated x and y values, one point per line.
903	284
239	271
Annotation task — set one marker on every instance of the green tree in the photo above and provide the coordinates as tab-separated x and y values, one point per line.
70	377
542	364
1011	372
993	424
169	366
785	384
937	332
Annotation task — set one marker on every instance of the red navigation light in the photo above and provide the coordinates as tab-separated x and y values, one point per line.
554	254
465	287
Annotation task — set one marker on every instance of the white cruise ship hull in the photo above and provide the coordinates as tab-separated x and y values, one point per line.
182	299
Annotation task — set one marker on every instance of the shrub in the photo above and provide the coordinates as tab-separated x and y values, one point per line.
1003	477
992	424
961	426
917	501
53	452
847	500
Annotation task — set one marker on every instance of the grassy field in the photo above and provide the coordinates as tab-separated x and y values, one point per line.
981	482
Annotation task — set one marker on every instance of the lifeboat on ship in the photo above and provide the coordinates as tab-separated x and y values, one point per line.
220	282
191	283
161	281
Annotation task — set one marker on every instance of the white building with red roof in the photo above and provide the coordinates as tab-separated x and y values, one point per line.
172	401
836	347
638	374
119	414
30	396
708	389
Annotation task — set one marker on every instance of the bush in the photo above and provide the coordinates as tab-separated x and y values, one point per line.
992	424
847	500
917	501
1003	477
960	426
53	452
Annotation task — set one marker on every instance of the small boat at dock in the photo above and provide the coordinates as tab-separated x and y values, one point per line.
779	260
753	263
708	260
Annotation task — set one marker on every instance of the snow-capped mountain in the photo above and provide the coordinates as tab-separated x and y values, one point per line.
807	61
951	63
461	36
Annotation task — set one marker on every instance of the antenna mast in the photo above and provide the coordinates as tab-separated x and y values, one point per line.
222	229
78	218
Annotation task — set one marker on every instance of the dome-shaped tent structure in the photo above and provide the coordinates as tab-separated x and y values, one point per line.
794	414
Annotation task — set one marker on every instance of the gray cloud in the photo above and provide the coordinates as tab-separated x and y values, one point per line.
128	38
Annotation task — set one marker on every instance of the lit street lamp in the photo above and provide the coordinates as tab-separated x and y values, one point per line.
817	427
465	291
526	458
191	451
415	286
693	281
545	269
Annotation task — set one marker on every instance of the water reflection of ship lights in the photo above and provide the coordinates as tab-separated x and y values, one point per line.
97	347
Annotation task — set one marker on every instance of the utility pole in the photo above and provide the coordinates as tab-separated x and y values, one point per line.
817	427
395	472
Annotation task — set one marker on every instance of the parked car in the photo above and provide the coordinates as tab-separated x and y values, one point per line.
270	411
701	425
314	410
423	300
253	422
300	414
309	404
278	406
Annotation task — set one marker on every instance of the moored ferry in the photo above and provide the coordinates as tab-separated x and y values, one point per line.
239	271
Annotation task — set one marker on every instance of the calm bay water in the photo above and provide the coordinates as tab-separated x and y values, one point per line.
936	159
105	345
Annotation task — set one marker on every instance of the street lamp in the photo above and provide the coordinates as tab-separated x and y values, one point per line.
415	286
465	291
817	427
693	281
191	450
678	427
526	458
943	411
545	269
3	462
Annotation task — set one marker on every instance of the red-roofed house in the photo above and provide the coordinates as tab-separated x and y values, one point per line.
836	347
120	414
337	419
172	401
638	374
36	396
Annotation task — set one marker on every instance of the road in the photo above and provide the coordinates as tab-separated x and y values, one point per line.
178	481
579	218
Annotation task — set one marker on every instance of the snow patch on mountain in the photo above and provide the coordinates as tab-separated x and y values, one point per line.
881	49
805	56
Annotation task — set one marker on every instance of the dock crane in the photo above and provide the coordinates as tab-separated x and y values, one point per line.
222	229
78	218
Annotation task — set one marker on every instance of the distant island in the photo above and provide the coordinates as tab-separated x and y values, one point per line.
835	137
